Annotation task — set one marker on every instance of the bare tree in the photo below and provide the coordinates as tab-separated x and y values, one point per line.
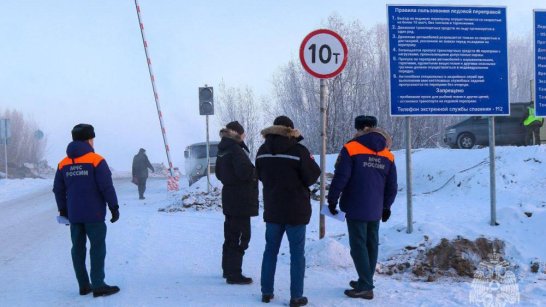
240	105
23	146
362	88
520	50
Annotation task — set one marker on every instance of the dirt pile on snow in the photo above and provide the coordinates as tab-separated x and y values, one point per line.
197	199
315	188
450	258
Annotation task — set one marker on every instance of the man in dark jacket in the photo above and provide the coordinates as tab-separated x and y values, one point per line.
286	169
141	164
83	187
365	176
239	199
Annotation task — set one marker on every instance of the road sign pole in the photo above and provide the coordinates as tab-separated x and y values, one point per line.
4	136
492	180
323	54
6	152
208	156
322	223
409	181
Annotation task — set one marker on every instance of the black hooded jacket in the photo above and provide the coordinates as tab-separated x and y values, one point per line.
238	176
286	170
141	164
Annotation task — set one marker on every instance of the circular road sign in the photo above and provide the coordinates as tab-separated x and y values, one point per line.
323	53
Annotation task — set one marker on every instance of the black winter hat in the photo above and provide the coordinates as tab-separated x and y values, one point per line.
283	121
235	126
364	121
83	132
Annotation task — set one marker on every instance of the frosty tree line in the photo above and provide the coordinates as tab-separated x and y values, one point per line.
362	88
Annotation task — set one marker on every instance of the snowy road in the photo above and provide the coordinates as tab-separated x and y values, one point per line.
173	259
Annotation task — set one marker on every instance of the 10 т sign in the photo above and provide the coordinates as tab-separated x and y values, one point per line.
323	53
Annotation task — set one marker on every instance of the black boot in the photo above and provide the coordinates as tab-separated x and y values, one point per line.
238	280
86	290
105	290
266	298
353	284
365	294
295	302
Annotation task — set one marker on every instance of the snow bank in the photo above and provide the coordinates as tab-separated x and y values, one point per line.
14	188
328	253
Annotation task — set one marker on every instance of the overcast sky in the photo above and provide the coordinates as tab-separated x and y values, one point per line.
66	62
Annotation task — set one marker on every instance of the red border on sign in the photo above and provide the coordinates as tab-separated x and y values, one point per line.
308	69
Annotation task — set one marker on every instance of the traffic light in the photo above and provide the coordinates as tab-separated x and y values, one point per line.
206	100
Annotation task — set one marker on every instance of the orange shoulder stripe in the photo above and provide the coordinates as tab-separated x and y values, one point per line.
64	162
88	158
91	158
355	148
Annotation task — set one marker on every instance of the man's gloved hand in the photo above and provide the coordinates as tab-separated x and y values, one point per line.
115	215
386	215
332	207
62	212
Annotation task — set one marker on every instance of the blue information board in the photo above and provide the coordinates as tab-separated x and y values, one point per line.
540	63
448	60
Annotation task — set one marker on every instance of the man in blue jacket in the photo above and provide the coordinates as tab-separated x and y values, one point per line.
83	187
365	176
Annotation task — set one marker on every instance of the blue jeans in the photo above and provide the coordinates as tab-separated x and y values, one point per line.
364	242
96	232
273	238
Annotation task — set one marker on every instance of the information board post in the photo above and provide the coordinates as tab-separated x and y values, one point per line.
409	176
540	62
492	180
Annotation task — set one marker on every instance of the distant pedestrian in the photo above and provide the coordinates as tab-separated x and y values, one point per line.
83	187
239	199
286	169
141	164
365	177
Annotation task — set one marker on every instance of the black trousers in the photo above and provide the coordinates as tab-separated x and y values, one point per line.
533	134
236	239
141	186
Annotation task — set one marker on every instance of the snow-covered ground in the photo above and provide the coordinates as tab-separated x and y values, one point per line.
173	258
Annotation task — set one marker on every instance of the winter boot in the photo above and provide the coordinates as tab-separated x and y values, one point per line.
86	290
238	280
105	291
365	294
295	302
353	284
266	298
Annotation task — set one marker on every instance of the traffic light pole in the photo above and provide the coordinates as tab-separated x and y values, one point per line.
208	156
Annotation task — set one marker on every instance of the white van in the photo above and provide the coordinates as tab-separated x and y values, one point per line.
196	160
